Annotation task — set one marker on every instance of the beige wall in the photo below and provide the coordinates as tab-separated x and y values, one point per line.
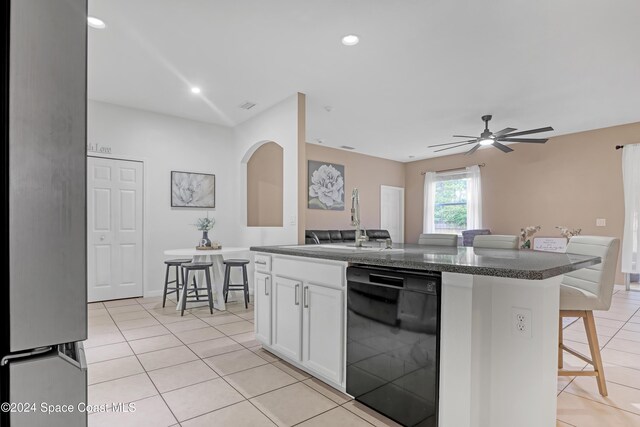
265	186
571	180
367	173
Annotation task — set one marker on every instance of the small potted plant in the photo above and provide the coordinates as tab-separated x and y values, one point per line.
526	234
204	225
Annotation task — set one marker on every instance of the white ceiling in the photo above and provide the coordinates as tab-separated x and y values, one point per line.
424	69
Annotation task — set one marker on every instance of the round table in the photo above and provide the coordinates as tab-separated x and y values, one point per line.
215	257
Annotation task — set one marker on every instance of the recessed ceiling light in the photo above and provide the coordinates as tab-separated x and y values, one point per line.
195	90
350	40
96	23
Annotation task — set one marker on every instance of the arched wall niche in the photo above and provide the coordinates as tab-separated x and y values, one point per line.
264	184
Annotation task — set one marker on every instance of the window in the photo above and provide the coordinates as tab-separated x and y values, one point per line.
452	201
450	205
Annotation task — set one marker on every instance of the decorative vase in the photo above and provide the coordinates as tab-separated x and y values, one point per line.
205	239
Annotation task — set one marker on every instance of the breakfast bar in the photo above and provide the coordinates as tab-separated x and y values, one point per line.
471	333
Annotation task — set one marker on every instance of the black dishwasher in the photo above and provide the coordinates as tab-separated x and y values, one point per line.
393	340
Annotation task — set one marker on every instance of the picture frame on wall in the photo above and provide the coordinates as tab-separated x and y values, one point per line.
193	190
325	186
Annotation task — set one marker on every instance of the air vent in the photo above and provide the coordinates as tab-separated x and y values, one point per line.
346	147
247	105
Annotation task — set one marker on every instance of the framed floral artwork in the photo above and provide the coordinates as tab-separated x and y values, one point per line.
193	190
326	186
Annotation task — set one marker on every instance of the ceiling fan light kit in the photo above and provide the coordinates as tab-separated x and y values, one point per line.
487	138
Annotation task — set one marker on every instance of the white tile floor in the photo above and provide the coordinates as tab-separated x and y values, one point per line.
207	370
201	370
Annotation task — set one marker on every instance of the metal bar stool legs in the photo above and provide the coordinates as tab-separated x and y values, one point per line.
228	286
177	263
187	269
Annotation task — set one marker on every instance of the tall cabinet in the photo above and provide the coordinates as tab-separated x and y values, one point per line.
300	313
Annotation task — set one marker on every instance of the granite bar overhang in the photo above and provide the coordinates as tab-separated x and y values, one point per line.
517	264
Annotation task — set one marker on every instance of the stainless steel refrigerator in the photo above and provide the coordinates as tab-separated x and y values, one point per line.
43	297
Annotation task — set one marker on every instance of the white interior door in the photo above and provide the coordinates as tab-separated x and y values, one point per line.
392	211
114	222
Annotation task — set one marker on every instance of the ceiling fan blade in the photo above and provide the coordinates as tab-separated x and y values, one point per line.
455	146
501	147
473	150
529	132
536	140
464	136
504	132
450	143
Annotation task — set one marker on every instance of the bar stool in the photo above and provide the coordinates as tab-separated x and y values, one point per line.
496	241
436	239
196	266
583	291
229	264
172	263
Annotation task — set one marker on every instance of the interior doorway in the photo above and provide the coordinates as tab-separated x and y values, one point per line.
392	211
114	228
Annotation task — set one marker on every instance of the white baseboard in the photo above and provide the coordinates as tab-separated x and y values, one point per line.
153	293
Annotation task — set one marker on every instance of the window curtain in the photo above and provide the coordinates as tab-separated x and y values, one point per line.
631	181
474	198
429	201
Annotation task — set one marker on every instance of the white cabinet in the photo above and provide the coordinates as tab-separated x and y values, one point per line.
286	309
300	312
262	302
322	330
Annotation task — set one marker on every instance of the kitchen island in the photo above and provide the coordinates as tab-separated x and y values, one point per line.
496	334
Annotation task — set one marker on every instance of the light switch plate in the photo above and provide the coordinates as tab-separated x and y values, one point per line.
601	222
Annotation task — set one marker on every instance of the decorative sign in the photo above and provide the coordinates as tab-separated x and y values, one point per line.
550	244
97	148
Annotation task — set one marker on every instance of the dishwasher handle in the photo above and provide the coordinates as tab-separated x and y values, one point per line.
383	279
400	280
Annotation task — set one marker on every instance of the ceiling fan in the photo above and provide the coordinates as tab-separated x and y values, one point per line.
490	138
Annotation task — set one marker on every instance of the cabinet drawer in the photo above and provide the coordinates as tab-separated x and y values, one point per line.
263	262
330	273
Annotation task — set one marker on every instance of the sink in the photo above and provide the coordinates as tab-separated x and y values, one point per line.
351	248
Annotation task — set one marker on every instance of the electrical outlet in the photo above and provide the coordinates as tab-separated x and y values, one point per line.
601	222
521	322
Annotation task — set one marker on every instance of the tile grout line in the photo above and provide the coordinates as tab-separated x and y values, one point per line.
223	376
149	378
224	379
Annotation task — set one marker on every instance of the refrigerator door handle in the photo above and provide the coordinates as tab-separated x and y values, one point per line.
35	352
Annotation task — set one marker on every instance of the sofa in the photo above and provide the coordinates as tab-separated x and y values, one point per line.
312	237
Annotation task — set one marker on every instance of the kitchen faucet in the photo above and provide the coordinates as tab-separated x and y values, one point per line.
355	218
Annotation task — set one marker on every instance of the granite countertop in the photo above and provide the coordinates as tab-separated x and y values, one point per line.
518	264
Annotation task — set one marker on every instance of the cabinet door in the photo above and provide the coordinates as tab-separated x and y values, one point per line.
323	331
262	301
286	308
